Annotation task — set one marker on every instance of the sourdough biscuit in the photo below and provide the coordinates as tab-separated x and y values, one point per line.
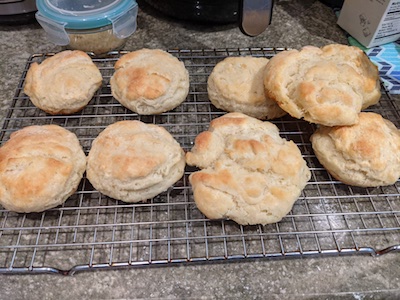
40	167
249	173
236	85
327	86
63	83
133	161
366	154
150	81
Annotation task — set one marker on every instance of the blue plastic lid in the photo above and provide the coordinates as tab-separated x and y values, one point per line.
57	15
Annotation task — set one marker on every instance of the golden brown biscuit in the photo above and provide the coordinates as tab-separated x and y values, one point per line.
40	167
236	85
366	154
133	161
150	81
328	85
63	83
249	173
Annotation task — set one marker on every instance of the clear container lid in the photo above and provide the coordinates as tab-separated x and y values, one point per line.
56	16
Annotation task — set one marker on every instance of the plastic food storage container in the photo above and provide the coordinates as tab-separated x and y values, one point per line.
97	26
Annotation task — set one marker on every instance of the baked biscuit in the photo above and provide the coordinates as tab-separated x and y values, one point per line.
133	161
328	85
366	154
150	81
40	167
63	83
249	173
236	85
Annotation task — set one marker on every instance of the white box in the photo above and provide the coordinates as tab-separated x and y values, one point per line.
371	22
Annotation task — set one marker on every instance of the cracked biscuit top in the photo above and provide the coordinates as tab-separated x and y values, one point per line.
327	86
248	172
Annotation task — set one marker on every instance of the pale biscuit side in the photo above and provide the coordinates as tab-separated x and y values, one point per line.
236	85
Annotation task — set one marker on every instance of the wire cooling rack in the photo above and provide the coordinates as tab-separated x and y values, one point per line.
91	231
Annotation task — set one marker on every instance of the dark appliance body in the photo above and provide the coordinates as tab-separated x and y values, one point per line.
213	11
253	16
17	11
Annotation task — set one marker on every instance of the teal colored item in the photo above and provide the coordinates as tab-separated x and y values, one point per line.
59	16
387	58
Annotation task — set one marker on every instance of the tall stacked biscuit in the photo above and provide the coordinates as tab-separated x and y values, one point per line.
330	86
327	86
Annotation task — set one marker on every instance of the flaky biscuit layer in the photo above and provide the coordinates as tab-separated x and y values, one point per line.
248	172
328	85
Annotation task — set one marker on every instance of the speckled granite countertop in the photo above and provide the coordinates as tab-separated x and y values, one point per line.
295	24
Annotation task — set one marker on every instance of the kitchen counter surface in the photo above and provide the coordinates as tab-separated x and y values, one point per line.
295	24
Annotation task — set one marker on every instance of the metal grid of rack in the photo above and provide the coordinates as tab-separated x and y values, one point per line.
91	231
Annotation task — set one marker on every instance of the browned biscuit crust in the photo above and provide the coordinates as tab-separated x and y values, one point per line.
366	154
328	85
133	161
40	167
150	81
